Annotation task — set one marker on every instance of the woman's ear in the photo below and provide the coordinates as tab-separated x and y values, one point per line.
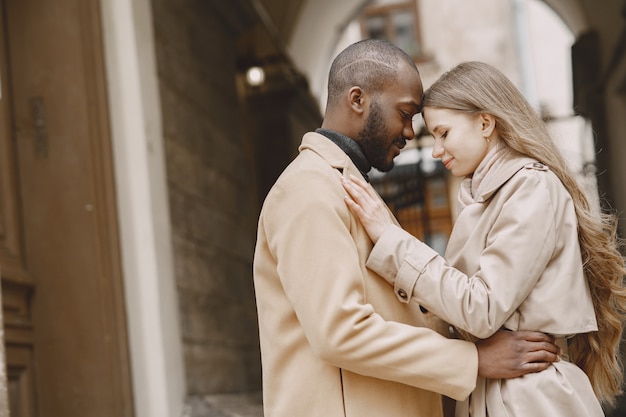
488	124
357	99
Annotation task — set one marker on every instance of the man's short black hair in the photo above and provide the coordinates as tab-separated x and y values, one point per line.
371	64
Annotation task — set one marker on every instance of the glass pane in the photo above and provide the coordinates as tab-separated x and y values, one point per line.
438	241
403	24
438	192
375	27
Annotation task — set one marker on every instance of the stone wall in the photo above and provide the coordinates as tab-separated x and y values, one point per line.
211	194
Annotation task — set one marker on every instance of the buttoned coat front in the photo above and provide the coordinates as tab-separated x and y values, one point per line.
513	261
334	340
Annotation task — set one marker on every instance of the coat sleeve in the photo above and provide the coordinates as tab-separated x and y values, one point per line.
309	233
519	245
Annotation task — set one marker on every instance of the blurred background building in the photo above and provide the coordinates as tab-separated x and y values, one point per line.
138	139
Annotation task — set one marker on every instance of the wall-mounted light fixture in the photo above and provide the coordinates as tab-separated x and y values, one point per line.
255	76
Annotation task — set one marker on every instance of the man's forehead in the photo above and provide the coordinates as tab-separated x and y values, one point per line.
408	91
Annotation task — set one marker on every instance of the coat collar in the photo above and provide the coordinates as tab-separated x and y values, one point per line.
350	147
330	152
505	172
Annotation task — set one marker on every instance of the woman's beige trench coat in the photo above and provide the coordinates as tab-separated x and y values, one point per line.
334	340
513	261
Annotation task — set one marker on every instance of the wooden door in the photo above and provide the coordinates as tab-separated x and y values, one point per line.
62	295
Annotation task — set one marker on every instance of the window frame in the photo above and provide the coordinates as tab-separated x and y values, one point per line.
386	12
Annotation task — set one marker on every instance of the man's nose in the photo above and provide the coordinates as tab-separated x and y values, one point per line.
409	132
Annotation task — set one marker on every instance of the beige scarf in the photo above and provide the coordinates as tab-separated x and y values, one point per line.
470	188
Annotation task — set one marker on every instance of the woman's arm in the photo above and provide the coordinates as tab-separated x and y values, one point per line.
517	250
505	354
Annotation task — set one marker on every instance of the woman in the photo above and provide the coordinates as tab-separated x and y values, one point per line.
527	251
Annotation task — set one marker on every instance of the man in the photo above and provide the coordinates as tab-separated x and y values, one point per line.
334	340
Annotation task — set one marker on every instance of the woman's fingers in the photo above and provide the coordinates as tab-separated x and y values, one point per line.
353	199
352	205
365	203
355	192
365	187
363	193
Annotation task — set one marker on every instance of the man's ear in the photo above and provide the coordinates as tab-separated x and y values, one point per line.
488	124
357	99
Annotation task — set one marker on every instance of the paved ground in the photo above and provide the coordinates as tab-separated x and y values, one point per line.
225	405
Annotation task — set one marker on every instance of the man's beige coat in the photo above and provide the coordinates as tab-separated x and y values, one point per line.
334	340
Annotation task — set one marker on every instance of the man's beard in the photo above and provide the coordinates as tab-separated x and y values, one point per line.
372	140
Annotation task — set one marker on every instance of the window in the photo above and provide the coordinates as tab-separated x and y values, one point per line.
396	23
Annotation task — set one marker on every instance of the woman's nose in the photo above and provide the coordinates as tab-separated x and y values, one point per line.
437	149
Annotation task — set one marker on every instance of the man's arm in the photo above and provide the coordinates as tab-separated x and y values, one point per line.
509	354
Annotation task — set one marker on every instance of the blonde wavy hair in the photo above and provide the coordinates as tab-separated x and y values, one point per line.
474	88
